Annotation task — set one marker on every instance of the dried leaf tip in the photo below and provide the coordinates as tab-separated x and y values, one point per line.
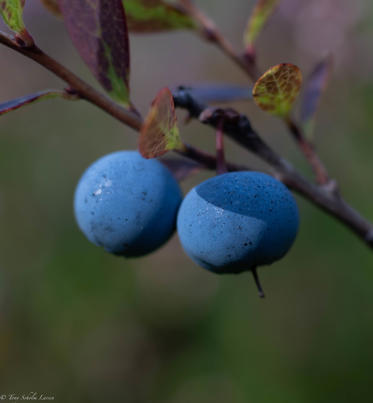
159	133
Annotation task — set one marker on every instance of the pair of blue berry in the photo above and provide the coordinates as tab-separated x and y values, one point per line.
228	224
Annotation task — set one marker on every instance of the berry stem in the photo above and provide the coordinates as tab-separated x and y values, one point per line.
221	165
257	282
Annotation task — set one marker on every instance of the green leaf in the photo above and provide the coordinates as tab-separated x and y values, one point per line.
262	11
98	29
159	133
52	6
155	16
12	13
276	90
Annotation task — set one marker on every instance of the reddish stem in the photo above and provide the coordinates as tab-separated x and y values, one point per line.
221	165
210	32
308	150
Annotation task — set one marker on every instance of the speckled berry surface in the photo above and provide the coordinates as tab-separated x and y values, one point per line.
127	204
237	221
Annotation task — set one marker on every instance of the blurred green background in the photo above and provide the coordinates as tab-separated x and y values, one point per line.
84	326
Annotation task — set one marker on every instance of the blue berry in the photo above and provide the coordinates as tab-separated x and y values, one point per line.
127	204
237	221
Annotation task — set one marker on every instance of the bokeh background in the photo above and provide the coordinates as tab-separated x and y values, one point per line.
84	326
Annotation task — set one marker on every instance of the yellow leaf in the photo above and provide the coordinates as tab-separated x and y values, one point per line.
276	90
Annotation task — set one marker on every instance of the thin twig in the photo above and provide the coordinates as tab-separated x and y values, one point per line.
84	90
248	63
308	150
210	32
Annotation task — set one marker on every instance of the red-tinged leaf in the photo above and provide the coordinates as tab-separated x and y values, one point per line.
180	168
14	104
159	133
314	88
276	90
155	16
12	13
52	6
259	16
98	30
218	93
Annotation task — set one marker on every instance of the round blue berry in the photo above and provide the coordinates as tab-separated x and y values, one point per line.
127	204
237	221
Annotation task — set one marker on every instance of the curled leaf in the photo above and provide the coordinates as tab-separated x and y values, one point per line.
262	11
52	6
17	103
12	13
155	16
276	90
314	88
218	93
98	29
159	133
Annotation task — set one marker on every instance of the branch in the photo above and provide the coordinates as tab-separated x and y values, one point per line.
239	129
235	126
